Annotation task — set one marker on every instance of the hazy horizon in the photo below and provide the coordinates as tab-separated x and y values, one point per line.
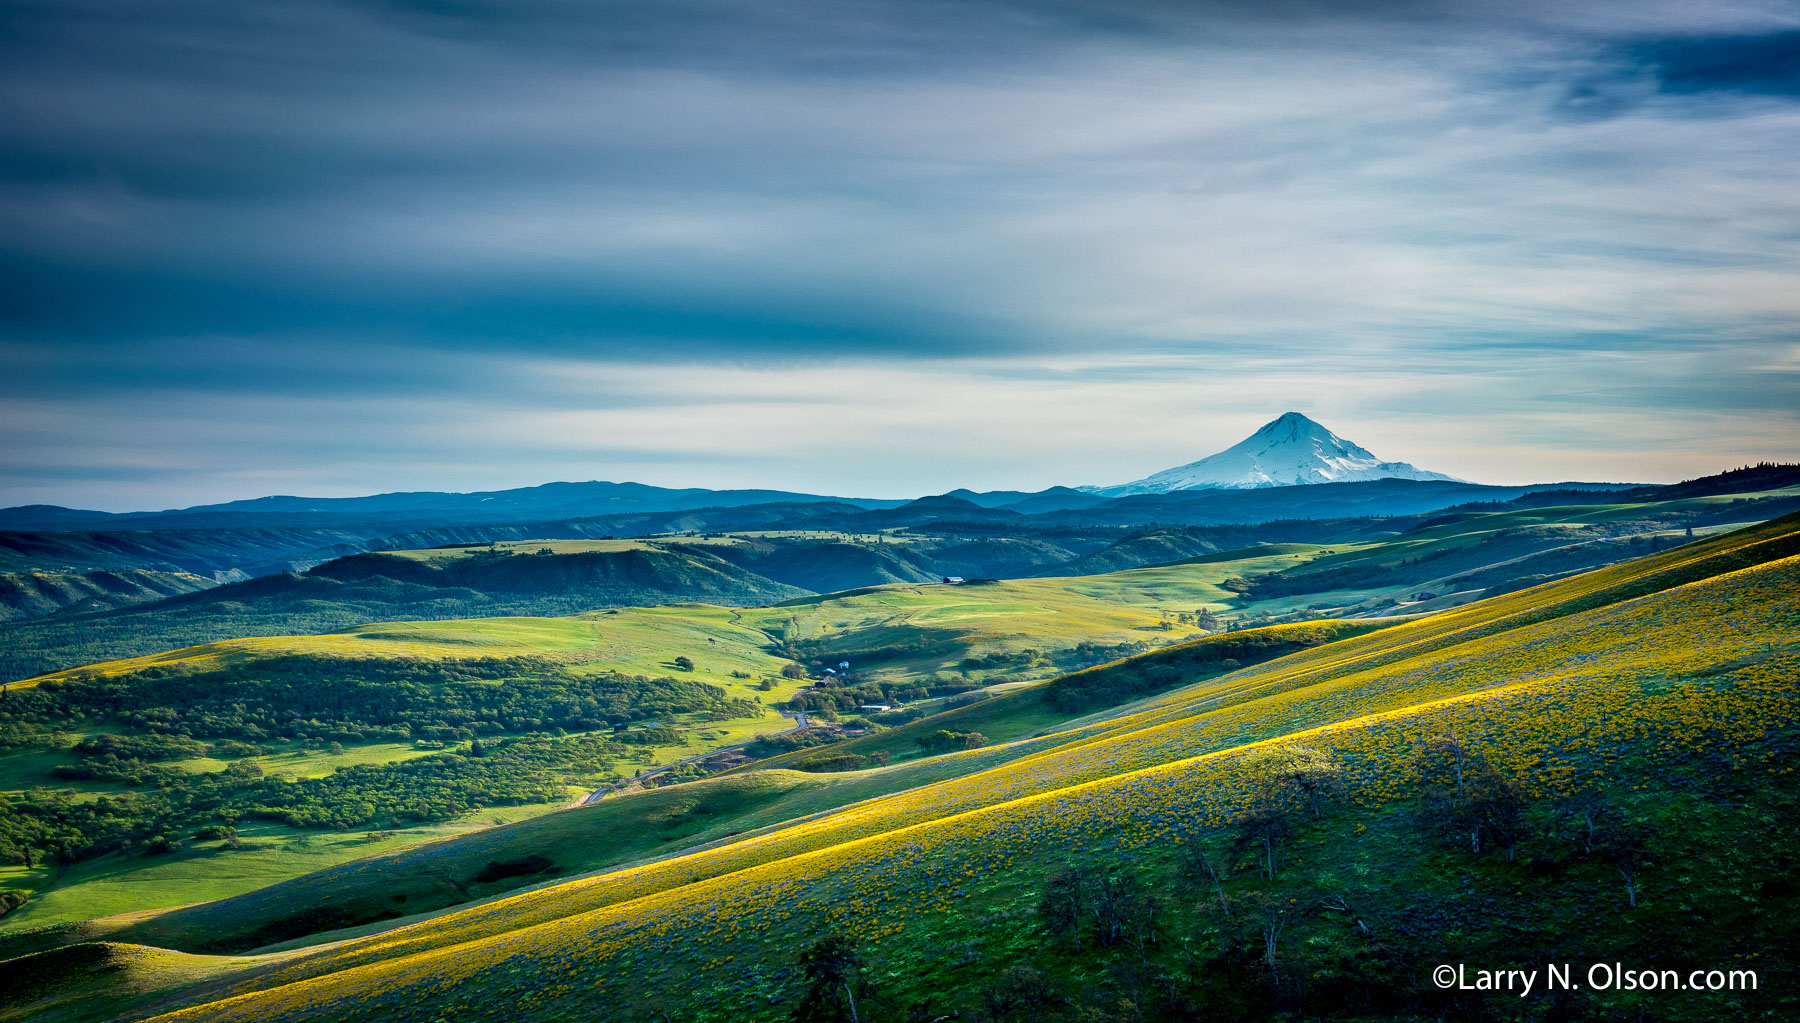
822	492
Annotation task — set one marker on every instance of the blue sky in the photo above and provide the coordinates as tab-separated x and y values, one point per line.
335	247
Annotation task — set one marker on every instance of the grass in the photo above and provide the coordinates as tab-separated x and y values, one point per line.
1540	673
1194	583
1643	677
418	878
955	621
589	546
905	631
1027	710
206	871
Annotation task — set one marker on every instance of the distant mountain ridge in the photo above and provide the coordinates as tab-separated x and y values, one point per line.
546	501
1290	451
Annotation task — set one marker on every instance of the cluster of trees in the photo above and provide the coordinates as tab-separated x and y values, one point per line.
1087	653
320	702
1112	684
140	747
1468	803
943	740
52	825
1026	658
1467	800
848	698
1359	575
826	763
536	769
1232	954
800	738
357	700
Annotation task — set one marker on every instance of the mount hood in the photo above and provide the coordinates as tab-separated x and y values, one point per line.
1291	451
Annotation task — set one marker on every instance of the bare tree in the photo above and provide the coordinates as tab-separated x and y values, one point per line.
1497	806
1591	811
1201	866
1270	917
1443	753
1263	829
1337	903
1627	849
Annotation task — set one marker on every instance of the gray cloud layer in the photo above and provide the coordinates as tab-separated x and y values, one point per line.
343	246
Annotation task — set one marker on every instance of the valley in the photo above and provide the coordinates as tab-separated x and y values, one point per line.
1639	682
596	716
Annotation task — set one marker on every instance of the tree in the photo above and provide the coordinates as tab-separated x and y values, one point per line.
1443	754
1337	903
944	739
793	671
1269	915
1627	849
684	662
1021	993
1062	905
1137	922
829	967
1201	867
1263	828
1487	807
1497	804
1105	903
1302	774
1591	811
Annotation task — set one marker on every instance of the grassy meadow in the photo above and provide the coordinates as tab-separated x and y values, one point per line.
1627	737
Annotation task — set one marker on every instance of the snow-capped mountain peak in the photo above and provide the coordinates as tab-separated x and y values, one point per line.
1290	451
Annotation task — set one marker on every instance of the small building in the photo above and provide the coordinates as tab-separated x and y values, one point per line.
952	580
874	708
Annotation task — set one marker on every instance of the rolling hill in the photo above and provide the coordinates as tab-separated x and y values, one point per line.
1550	774
26	595
760	565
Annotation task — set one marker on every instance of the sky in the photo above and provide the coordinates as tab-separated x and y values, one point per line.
878	248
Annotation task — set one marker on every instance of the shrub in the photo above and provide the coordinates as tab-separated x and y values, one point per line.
943	739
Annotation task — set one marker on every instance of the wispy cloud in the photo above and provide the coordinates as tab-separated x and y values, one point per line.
1513	243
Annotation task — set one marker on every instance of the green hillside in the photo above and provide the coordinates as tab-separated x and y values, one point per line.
25	595
1068	872
378	587
407	772
1375	566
